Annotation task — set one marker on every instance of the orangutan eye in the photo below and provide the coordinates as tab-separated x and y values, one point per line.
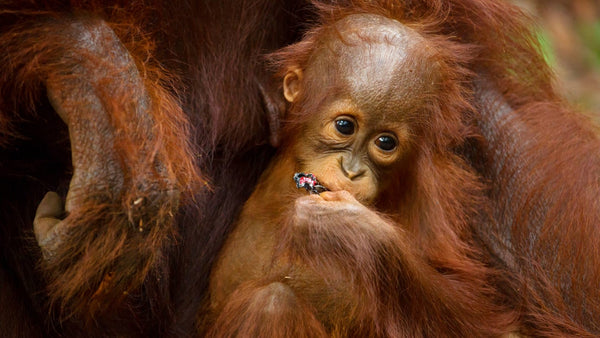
386	142
345	126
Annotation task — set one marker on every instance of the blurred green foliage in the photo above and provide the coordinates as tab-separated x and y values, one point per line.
590	36
546	47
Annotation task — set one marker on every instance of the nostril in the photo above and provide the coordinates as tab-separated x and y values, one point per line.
351	173
355	174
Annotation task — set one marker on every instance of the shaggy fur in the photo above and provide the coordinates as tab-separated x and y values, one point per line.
534	228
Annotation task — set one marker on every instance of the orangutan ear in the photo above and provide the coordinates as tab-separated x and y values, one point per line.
275	104
292	84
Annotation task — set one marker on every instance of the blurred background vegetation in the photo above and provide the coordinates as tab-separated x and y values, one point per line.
569	32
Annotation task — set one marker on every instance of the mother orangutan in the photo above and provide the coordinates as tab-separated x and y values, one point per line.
153	120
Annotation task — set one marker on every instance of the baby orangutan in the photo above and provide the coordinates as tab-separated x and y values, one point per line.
373	109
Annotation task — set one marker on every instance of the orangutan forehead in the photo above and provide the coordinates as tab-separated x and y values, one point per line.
378	62
365	28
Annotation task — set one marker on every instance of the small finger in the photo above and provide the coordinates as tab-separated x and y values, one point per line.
47	216
50	206
337	196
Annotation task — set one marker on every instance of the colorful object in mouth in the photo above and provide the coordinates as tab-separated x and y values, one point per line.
308	182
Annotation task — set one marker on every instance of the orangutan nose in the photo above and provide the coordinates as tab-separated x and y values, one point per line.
352	168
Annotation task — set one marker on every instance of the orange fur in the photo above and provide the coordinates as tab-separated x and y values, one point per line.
516	176
414	272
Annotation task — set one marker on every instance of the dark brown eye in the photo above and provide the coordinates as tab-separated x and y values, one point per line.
386	142
344	126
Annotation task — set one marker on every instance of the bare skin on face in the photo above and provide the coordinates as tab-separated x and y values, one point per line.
375	84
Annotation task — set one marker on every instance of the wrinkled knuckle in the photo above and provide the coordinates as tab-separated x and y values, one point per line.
305	201
304	207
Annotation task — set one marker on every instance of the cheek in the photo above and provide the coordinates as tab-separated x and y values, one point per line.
329	174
